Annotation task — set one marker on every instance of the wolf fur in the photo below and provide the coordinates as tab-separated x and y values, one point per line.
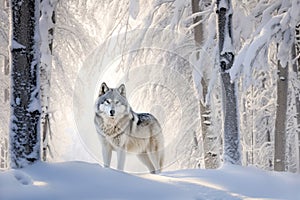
122	130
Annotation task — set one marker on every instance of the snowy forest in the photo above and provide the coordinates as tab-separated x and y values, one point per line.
221	76
222	94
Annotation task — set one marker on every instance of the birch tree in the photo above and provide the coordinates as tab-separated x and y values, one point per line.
211	157
25	85
226	58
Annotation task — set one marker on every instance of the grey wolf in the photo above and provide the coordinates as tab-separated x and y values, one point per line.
122	130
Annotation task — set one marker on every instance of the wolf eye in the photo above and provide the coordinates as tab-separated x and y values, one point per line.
117	102
106	101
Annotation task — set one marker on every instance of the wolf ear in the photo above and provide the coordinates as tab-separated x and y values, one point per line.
122	90
103	89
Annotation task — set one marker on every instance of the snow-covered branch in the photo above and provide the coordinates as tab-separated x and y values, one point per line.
246	56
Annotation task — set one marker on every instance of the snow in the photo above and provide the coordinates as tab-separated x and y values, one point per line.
81	180
18	101
246	56
17	45
82	27
134	8
223	4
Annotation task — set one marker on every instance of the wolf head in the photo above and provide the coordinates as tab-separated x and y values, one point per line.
112	102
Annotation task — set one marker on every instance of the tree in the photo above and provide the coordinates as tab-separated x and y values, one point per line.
4	79
280	121
267	47
296	70
284	59
25	85
211	157
46	23
226	58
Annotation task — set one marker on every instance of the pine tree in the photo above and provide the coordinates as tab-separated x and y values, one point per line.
226	57
25	85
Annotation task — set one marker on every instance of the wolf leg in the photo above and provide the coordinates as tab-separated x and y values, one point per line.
155	159
121	155
144	158
161	159
106	153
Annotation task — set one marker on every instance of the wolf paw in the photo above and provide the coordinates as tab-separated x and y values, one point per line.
156	172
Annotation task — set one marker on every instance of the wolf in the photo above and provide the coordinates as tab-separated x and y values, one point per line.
122	130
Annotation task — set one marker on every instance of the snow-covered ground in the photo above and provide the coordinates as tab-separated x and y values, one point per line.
80	180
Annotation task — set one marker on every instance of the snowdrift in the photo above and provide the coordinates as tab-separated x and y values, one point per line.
79	180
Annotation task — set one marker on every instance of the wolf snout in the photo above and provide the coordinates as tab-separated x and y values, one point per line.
112	112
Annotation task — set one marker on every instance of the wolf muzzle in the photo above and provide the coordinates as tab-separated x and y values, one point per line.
112	112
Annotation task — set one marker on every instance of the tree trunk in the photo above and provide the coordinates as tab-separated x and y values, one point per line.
211	157
231	142
4	78
198	30
25	86
46	22
296	69
280	121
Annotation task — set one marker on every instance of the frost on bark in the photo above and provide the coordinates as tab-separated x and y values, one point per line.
25	93
231	153
211	157
46	23
4	80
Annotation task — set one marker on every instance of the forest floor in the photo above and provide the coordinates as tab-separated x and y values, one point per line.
81	180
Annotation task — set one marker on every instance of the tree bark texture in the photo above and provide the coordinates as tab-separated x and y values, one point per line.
25	90
47	21
296	69
231	142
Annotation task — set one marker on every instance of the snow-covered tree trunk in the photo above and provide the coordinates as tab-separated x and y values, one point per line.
4	79
25	85
231	142
46	24
296	69
211	157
